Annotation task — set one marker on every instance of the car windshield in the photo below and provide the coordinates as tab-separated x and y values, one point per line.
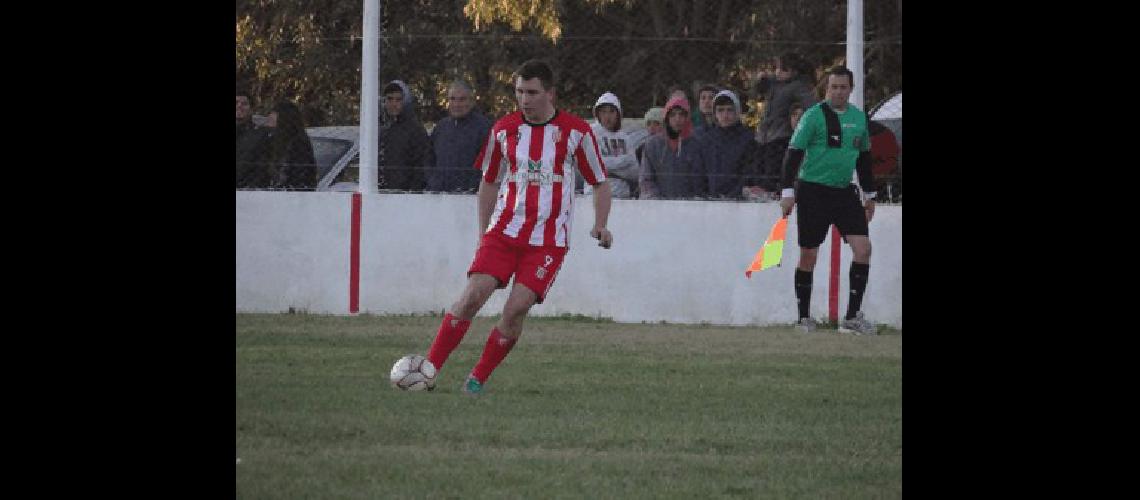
327	151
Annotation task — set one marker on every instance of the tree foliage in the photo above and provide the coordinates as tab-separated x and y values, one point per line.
310	51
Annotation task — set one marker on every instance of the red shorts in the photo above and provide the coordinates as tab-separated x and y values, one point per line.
533	267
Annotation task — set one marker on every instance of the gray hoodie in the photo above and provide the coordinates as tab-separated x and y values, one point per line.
618	150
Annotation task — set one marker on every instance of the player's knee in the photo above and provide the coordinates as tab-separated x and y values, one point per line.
511	325
807	258
467	306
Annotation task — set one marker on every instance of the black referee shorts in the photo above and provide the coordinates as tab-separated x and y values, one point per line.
819	206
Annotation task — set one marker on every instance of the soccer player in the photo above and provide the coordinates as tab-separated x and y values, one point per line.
529	163
831	141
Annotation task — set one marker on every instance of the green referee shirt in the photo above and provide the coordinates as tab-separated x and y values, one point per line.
830	166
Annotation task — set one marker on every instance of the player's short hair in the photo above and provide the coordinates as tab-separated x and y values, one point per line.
840	71
535	68
708	87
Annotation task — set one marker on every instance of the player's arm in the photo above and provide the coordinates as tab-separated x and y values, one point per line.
866	177
488	192
863	166
602	215
794	157
593	170
488	161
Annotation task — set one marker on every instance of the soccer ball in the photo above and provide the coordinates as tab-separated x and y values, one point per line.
413	373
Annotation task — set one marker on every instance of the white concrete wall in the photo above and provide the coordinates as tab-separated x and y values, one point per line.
292	251
675	261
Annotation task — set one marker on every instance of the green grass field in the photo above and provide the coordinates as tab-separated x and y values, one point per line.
580	409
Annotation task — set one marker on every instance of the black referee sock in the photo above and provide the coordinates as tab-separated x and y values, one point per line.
858	277
803	292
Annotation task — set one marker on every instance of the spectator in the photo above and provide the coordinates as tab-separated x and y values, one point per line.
790	83
705	119
404	142
252	143
455	141
291	161
666	167
617	145
654	118
726	153
655	121
765	185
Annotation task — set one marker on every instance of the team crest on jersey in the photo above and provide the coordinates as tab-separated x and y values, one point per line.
540	273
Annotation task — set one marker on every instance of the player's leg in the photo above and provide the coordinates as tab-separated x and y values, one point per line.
811	228
852	223
504	335
490	269
858	275
535	275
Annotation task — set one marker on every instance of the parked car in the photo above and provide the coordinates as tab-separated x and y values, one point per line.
337	150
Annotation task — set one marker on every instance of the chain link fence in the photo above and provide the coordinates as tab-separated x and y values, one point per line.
299	67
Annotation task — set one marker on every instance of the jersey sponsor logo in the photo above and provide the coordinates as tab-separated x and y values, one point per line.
534	175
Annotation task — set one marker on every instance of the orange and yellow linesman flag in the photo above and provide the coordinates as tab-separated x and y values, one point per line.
773	249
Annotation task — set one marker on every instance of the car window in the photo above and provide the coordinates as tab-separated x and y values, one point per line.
327	151
350	174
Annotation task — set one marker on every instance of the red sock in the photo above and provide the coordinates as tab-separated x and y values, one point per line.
451	331
497	348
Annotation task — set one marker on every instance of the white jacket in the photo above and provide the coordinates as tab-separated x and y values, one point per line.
618	150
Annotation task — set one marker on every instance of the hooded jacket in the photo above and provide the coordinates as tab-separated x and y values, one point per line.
779	96
252	156
619	150
727	154
667	163
403	146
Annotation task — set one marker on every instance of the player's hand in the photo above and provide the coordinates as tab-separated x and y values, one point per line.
787	203
869	208
605	239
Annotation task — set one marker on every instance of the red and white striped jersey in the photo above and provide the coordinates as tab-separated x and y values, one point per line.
536	165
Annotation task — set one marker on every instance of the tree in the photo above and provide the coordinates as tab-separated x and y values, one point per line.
310	51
